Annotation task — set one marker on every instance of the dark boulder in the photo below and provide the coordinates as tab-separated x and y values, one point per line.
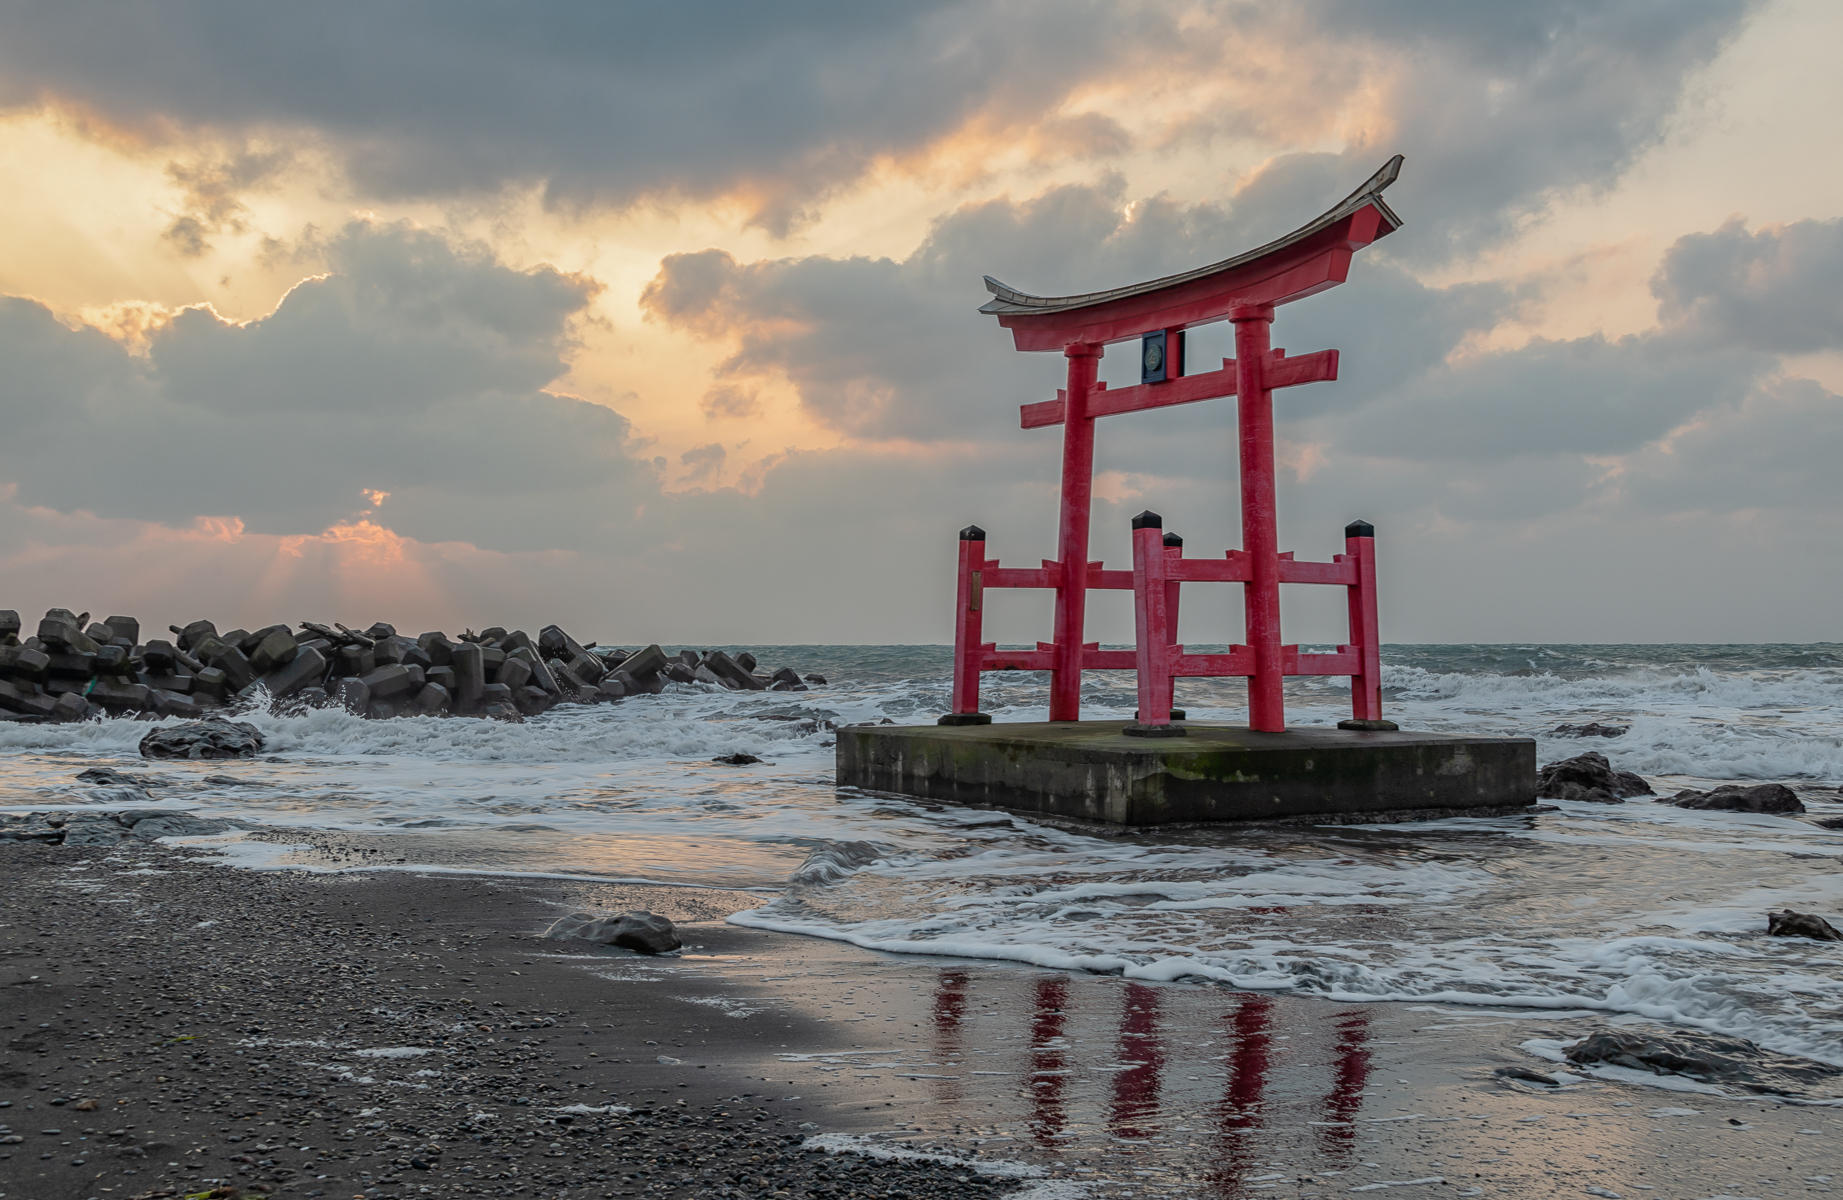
9	625
213	737
1734	797
738	759
1588	777
71	706
730	672
211	682
189	636
1787	923
24	662
432	700
73	664
1591	729
216	652
110	777
388	683
174	704
61	630
25	699
118	695
642	932
678	672
1706	1057
352	695
306	668
308	698
646	685
437	646
814	678
275	649
515	672
642	663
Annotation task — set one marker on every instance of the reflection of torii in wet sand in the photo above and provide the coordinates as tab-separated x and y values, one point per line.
1134	1107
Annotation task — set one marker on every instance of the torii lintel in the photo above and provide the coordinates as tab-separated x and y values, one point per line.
1308	260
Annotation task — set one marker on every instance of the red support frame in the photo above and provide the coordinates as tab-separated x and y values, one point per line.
1158	573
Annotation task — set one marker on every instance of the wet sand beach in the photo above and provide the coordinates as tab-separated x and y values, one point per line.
171	1026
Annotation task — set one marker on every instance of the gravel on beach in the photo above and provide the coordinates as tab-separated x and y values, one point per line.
169	1028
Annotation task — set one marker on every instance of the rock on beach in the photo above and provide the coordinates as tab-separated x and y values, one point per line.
79	828
66	672
210	738
1735	797
1787	923
1588	777
642	932
1705	1057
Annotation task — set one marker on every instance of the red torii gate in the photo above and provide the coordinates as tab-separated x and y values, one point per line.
1245	289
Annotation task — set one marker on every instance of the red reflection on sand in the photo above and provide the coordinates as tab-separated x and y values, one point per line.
1244	1100
1135	1090
1044	1085
1347	1081
949	1011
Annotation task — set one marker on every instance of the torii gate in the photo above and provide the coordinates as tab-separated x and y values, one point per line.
1245	289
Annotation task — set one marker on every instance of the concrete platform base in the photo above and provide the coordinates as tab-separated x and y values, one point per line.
1093	771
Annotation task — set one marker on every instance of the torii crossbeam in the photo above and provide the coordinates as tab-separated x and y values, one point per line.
1245	290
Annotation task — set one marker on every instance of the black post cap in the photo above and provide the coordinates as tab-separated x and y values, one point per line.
1360	529
972	533
1148	520
1174	540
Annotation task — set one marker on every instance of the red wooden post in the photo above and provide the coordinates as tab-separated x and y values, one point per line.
1260	536
1072	534
1152	629
1174	552
1365	631
969	623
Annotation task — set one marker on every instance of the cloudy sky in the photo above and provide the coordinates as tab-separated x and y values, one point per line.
660	320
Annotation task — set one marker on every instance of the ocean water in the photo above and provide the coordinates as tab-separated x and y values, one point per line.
1630	912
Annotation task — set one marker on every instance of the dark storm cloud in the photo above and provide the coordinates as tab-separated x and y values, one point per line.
1500	107
1777	447
415	366
1729	302
880	348
1587	396
1775	289
598	102
1498	104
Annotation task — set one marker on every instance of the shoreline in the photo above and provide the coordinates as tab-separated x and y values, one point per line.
219	1018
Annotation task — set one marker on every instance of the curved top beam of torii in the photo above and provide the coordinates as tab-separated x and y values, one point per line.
1310	259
